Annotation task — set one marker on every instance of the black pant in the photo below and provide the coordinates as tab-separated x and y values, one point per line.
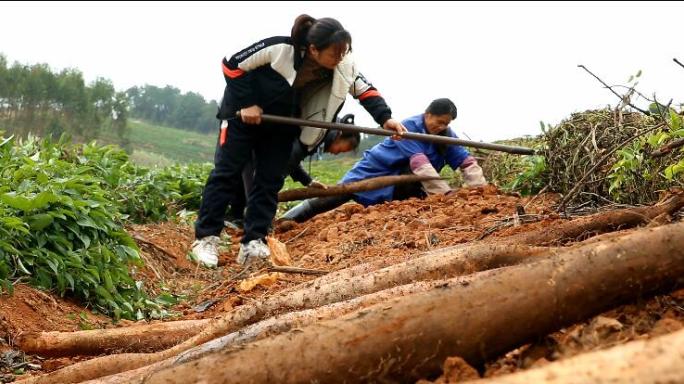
408	190
271	145
239	202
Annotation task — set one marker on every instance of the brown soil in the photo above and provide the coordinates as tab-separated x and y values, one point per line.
348	236
398	230
33	310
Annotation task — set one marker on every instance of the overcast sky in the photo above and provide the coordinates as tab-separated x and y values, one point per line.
505	65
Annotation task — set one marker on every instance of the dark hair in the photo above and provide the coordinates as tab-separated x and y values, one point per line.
354	138
321	33
442	106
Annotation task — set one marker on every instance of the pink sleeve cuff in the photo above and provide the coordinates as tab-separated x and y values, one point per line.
470	160
418	160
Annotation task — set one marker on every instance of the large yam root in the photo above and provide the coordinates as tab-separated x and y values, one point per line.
151	337
600	222
353	187
407	338
434	266
283	323
657	360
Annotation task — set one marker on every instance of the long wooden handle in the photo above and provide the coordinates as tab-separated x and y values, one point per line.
386	132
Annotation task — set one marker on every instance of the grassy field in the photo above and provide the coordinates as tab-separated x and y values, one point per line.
325	171
156	145
174	144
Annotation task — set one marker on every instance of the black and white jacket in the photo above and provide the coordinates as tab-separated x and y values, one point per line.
263	74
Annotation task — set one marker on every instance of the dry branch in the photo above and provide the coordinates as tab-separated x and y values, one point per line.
678	62
622	98
600	222
667	148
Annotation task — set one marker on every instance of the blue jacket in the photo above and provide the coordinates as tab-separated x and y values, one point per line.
390	157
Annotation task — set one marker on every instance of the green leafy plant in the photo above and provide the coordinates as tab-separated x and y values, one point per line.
523	174
634	167
62	210
61	230
532	179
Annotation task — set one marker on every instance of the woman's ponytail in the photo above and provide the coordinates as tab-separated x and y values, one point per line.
300	30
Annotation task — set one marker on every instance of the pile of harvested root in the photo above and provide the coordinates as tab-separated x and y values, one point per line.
476	301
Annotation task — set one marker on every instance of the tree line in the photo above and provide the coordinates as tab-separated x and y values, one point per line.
169	107
35	99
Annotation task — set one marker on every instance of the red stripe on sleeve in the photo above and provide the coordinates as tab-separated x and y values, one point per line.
369	93
232	73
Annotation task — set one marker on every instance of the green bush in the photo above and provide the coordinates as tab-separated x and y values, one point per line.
62	210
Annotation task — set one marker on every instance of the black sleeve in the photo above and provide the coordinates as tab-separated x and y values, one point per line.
298	174
237	69
241	89
378	108
294	166
370	99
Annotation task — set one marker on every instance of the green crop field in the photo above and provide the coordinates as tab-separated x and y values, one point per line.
157	145
174	144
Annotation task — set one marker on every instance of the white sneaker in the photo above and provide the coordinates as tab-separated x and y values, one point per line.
206	250
255	249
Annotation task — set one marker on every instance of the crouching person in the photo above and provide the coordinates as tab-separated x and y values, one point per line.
392	157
